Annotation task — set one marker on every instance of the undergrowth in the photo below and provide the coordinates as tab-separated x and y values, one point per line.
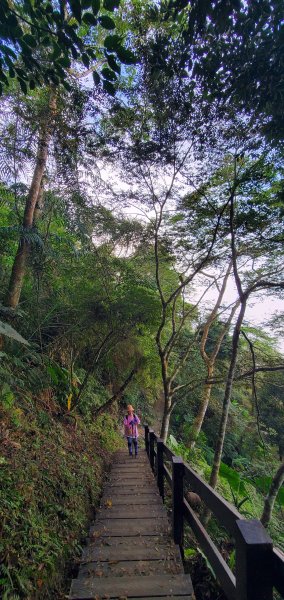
51	470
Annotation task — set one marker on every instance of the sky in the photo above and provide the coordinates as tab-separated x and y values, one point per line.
259	310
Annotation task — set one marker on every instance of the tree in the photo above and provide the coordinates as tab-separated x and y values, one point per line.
270	277
276	484
42	39
210	356
231	51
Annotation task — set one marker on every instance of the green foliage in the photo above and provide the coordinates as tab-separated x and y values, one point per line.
263	484
75	32
50	482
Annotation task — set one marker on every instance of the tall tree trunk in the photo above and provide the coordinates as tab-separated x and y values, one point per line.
20	261
210	359
227	397
167	398
165	424
276	484
198	421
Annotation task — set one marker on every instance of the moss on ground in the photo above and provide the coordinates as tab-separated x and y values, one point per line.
51	471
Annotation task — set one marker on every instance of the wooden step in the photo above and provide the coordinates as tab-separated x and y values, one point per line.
132	489
137	511
152	549
133	527
119	568
130	475
133	500
151	586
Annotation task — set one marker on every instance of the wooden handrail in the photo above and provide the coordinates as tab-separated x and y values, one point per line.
219	565
259	566
225	512
278	570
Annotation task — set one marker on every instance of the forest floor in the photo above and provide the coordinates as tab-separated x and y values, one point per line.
52	469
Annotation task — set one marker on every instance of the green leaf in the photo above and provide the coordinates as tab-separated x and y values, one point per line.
30	40
85	60
67	86
107	22
64	62
111	4
46	41
7	50
76	9
126	56
56	51
112	42
108	74
32	84
89	19
12	21
3	77
113	64
96	78
23	85
75	54
96	5
189	552
6	329
109	87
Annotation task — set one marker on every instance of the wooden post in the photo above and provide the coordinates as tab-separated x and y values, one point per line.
177	496
151	448
160	467
254	561
147	439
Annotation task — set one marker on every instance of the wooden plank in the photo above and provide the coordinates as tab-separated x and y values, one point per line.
132	482
155	550
278	570
160	598
125	468
133	512
118	568
134	500
125	459
134	527
225	512
115	587
149	484
128	473
220	567
132	490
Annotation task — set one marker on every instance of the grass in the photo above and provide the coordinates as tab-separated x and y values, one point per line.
51	471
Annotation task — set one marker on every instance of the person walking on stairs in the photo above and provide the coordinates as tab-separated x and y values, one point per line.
131	421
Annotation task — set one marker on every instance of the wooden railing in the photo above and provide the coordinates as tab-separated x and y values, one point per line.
259	568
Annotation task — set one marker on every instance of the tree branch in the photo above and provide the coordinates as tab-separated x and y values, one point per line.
117	394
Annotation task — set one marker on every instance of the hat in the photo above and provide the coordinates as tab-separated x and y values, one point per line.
130	407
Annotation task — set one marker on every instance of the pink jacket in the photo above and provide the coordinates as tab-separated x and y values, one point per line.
130	423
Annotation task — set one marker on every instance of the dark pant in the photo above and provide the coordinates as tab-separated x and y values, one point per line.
131	439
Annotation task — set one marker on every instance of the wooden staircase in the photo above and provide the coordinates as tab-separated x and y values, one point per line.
130	552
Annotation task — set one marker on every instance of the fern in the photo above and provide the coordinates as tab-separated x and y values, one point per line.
9	331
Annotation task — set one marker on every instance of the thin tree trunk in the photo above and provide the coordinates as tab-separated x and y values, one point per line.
210	360
227	398
276	484
20	261
198	421
117	394
165	424
167	399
